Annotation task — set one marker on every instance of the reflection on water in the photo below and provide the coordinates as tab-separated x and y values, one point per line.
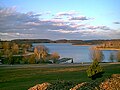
78	53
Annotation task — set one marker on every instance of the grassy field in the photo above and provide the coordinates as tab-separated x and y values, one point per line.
24	76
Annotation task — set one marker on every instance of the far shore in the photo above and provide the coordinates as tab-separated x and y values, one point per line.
80	45
109	49
117	49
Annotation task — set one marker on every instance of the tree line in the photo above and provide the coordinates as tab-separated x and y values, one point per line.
74	42
13	53
110	44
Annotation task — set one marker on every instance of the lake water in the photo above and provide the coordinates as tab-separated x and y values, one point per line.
78	53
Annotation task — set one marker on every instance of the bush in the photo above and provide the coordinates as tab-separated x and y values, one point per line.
94	71
91	86
61	85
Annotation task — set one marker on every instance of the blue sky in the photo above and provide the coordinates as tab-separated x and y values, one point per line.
60	19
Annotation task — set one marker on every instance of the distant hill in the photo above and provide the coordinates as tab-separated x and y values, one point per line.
32	41
74	42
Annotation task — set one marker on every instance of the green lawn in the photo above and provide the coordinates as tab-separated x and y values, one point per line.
21	78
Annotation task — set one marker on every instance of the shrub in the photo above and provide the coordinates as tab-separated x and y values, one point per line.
61	85
94	71
55	56
91	86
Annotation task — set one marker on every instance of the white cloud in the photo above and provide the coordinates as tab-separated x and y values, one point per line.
32	23
64	31
99	27
3	34
14	24
68	13
82	18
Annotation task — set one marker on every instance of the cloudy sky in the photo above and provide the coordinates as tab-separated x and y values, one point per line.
59	19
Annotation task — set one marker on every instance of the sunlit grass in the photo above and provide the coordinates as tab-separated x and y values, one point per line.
22	77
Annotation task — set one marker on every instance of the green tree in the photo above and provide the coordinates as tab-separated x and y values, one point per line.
94	71
1	54
25	60
10	58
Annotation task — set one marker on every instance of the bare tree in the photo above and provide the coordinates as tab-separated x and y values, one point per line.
96	54
118	56
112	57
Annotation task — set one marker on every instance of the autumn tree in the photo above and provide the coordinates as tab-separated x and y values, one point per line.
31	59
7	51
25	47
6	45
55	56
0	45
15	48
41	53
96	54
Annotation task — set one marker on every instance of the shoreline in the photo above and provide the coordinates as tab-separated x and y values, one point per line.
80	45
109	49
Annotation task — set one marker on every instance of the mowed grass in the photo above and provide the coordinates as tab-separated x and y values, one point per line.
23	77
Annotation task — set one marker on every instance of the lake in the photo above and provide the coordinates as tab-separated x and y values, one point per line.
78	53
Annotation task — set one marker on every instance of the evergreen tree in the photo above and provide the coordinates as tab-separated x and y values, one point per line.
94	70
